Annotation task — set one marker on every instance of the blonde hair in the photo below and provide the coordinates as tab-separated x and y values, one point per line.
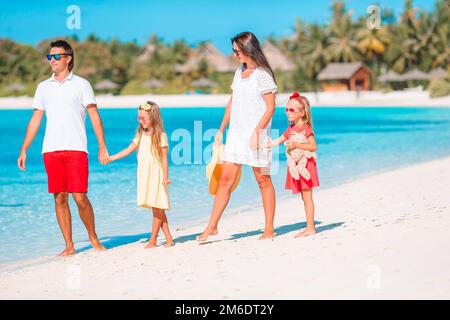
308	115
304	102
156	126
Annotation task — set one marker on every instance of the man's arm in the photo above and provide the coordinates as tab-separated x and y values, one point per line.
32	129
103	155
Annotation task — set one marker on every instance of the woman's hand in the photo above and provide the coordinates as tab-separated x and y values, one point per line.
166	182
254	141
218	138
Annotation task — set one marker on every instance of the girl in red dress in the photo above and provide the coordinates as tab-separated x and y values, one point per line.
298	112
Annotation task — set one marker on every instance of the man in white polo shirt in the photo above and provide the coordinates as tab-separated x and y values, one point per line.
65	98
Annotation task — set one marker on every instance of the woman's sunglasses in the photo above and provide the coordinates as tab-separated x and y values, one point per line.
57	56
236	52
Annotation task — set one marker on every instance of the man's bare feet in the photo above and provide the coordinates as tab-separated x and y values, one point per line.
150	245
97	245
69	251
205	234
267	235
305	233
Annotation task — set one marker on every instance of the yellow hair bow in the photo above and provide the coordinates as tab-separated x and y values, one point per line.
145	106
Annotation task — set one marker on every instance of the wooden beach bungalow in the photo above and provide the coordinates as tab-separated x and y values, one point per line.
345	76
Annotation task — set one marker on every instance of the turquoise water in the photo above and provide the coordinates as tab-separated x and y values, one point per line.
352	142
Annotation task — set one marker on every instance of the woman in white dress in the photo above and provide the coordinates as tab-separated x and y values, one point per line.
249	113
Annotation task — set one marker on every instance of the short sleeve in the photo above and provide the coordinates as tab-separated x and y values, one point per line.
308	132
265	83
233	84
88	94
38	100
137	139
287	132
164	141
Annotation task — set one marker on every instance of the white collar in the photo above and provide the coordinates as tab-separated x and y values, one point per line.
69	77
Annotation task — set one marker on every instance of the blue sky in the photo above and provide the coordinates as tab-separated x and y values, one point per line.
194	21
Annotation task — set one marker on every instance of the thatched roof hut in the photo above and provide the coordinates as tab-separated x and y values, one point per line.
213	57
438	73
277	59
146	53
153	83
203	82
16	86
415	74
390	76
106	85
345	76
338	71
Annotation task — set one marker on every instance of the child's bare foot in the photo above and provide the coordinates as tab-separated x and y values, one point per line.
305	233
97	245
267	235
205	234
150	245
69	251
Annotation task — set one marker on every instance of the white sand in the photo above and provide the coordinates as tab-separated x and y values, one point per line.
370	98
384	236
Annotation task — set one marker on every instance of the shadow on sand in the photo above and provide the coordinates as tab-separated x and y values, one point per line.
117	241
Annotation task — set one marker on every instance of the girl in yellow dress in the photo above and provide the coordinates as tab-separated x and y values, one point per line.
152	172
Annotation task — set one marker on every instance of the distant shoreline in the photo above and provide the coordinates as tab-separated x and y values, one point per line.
320	99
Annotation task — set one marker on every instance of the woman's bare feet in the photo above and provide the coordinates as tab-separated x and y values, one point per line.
150	245
305	233
69	251
97	245
205	234
267	235
169	243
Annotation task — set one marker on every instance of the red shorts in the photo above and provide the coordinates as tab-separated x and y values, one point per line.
67	171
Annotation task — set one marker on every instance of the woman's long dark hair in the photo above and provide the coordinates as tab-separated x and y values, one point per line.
249	45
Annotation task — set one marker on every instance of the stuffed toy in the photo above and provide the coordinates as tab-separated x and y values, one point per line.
297	158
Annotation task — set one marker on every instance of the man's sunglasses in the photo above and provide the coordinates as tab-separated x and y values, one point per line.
57	56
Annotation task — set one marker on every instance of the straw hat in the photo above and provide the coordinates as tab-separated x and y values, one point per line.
214	170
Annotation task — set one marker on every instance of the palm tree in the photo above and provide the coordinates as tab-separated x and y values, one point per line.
402	53
440	52
291	46
372	44
313	51
343	46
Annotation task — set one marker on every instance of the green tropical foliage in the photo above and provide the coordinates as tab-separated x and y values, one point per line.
417	39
